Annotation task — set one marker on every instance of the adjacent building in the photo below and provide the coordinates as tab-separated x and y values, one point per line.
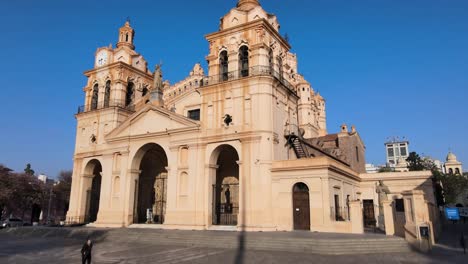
452	165
395	150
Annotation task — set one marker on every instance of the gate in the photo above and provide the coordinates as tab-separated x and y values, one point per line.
369	214
225	204
159	207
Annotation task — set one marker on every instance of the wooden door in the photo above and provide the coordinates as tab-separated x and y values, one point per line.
369	215
301	207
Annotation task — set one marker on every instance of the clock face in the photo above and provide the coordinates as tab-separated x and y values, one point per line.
101	58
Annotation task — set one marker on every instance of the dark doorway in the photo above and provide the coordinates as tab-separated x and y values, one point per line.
369	214
36	213
226	190
94	195
301	207
152	186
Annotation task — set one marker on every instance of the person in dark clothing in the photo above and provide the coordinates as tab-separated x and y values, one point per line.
86	252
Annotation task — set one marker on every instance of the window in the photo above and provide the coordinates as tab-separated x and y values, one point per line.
244	61
223	65
107	94
399	205
403	151
357	154
129	95
144	92
391	152
450	171
95	96
457	171
194	114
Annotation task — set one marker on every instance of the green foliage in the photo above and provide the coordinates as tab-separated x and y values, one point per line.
62	192
415	163
19	191
453	185
28	169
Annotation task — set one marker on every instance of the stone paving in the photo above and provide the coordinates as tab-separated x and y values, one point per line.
15	249
41	249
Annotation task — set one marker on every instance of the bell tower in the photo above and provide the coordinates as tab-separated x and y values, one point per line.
126	35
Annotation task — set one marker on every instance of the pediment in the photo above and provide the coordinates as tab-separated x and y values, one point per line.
151	120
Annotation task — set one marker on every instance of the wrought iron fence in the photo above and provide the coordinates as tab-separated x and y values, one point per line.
244	73
225	207
115	103
75	221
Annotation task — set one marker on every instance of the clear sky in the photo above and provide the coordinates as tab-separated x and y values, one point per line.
390	67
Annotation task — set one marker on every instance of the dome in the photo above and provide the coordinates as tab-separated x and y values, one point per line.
451	157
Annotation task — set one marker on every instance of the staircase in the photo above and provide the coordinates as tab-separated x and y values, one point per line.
298	147
302	242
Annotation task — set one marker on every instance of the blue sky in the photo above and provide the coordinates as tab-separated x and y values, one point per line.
390	67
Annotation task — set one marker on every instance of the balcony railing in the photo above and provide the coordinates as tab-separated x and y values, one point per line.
244	73
208	80
110	104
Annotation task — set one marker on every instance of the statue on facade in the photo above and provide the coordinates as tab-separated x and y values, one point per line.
227	195
383	191
158	78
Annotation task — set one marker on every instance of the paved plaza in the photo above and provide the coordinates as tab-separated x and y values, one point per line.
50	248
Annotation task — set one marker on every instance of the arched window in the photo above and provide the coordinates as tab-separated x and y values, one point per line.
126	37
129	95
223	65
457	171
450	171
107	94
94	99
145	91
244	61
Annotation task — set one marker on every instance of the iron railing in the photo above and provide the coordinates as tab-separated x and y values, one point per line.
205	81
245	73
111	104
339	214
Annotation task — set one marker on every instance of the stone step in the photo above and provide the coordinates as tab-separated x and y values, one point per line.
229	240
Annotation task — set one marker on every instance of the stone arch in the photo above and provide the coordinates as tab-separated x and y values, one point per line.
150	191
95	96
107	93
223	65
93	178
225	190
244	60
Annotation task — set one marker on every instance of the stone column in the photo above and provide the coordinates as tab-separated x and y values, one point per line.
357	221
388	217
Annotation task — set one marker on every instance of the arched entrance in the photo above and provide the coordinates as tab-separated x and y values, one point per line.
226	188
151	189
93	194
301	207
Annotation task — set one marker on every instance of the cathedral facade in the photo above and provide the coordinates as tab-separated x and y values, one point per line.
241	146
